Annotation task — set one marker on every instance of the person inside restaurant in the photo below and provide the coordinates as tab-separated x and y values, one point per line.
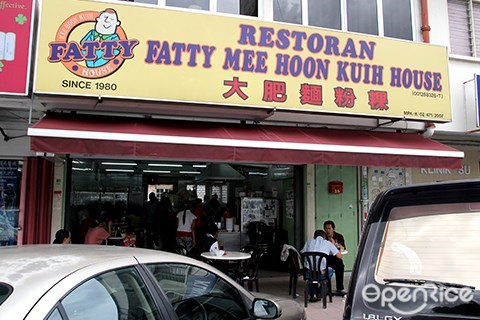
62	236
206	243
337	264
319	244
100	230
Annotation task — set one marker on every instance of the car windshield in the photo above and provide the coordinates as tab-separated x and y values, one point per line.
5	291
418	244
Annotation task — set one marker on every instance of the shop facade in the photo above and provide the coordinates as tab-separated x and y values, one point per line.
330	112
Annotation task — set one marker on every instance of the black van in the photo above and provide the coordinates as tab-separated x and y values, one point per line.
419	255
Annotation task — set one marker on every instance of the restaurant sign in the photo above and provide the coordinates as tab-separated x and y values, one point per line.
88	48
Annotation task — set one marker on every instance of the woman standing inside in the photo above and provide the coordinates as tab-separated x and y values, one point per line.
186	227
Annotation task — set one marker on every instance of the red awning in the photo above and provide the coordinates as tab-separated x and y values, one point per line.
226	142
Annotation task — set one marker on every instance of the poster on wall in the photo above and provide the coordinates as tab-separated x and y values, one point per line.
15	45
381	179
8	202
289	203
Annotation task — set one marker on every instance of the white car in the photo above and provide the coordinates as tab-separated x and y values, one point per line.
87	282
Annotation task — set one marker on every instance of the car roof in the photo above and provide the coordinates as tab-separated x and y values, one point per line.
33	269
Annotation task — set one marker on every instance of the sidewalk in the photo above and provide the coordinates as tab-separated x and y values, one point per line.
276	283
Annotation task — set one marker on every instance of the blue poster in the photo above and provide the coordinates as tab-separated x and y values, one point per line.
9	201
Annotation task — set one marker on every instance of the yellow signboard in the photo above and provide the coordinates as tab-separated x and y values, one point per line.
115	50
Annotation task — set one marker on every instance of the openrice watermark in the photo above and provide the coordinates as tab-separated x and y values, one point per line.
402	299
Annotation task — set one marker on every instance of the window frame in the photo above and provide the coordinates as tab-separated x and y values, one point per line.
414	8
240	299
214	7
159	300
472	37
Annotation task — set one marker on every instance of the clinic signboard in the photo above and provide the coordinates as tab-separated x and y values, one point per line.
88	48
16	24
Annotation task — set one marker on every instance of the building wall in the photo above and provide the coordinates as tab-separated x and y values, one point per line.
470	170
340	208
18	147
461	72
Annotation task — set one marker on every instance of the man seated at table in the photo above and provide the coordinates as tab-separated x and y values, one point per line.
207	243
319	244
337	264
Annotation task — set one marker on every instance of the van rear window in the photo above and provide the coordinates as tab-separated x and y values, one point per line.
420	242
5	291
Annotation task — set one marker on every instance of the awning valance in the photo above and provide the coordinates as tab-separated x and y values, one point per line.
228	142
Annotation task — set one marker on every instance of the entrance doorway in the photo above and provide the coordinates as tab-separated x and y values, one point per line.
246	192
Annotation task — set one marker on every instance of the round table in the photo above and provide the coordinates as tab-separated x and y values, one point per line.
225	262
229	256
114	241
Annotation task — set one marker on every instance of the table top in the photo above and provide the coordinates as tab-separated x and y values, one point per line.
229	255
115	238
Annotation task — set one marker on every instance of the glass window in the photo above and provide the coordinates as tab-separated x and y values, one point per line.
148	1
196	293
5	291
55	315
117	294
190	4
362	16
287	11
241	7
414	247
221	191
325	14
464	26
396	15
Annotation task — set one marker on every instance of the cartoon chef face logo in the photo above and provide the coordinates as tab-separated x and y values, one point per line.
100	52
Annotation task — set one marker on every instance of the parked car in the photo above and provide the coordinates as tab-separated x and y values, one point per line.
419	255
72	282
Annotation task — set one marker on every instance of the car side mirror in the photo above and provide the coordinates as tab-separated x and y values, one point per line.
265	309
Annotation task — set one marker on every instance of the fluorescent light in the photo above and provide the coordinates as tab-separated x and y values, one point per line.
77	161
190	172
119	163
81	169
119	170
254	173
164	165
156	171
199	165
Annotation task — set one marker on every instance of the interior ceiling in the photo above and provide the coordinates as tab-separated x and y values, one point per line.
205	171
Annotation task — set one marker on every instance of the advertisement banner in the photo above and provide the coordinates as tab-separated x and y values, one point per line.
15	45
88	48
8	202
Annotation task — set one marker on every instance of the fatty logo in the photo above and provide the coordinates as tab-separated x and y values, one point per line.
100	52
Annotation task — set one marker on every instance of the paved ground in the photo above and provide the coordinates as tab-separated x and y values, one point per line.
276	283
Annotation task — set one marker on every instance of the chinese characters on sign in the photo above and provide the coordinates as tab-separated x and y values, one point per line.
275	91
